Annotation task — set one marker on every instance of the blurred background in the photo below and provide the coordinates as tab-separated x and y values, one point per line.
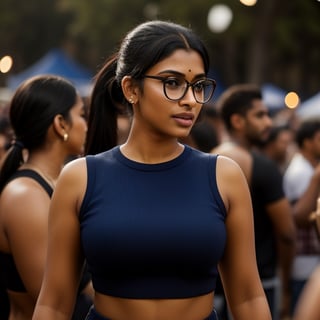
269	42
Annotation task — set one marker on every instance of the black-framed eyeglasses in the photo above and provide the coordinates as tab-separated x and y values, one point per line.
175	88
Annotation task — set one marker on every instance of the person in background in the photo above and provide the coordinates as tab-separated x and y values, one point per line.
203	136
212	116
280	146
205	133
123	124
248	124
5	140
152	217
5	135
308	306
47	118
302	187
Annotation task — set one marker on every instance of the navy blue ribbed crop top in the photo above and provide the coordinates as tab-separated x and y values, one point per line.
152	230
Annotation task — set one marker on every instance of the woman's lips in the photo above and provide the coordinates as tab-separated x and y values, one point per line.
184	119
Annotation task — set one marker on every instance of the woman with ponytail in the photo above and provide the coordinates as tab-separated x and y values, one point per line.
47	118
154	219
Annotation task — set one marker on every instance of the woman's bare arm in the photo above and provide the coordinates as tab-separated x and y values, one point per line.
308	306
238	268
64	260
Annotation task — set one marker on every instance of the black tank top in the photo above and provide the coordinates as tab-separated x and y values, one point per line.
9	275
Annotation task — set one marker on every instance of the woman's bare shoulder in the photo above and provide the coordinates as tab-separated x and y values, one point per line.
73	174
74	167
228	169
241	156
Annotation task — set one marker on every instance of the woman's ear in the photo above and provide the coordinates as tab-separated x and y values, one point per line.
60	126
130	89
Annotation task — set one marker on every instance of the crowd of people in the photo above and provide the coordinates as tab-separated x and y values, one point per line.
156	200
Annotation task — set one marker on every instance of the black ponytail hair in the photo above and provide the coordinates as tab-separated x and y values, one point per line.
32	109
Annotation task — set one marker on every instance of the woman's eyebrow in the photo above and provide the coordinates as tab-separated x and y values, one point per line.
173	72
180	74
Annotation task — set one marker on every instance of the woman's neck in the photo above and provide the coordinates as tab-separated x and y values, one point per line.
151	152
48	166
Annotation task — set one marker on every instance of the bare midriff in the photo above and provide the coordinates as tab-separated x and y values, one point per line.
195	308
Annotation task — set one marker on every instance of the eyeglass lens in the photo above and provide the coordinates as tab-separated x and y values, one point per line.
175	89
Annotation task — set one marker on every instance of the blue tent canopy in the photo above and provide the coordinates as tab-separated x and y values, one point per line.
273	96
58	63
310	108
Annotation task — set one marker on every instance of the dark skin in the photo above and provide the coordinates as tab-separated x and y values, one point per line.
24	202
153	138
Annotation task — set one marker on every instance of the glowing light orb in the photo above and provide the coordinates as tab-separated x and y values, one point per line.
291	100
219	18
248	3
6	64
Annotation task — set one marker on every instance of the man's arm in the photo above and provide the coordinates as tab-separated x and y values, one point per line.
307	202
284	230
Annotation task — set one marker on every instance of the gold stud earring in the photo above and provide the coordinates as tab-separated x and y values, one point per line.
65	137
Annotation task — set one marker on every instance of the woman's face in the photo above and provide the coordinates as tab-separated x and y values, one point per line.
78	129
158	114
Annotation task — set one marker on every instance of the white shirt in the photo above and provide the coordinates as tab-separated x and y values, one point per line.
295	182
